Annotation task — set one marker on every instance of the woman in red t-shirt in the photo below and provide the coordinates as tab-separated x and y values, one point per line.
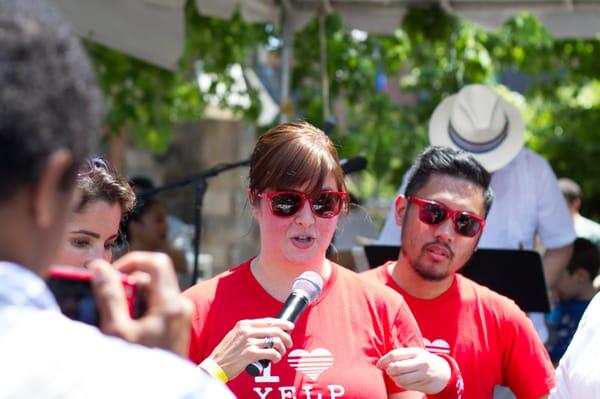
297	193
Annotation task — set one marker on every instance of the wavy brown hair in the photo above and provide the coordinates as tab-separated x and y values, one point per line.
104	184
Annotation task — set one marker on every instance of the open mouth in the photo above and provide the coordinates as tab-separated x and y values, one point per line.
303	239
303	242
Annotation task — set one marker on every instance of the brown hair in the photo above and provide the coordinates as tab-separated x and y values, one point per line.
293	154
101	184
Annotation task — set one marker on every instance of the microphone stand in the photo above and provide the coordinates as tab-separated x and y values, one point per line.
200	183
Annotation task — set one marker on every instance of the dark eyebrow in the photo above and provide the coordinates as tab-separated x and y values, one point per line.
86	232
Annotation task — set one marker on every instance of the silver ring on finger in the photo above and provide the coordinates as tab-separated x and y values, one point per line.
268	343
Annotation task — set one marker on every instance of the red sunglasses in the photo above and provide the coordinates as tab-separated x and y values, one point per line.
431	212
327	205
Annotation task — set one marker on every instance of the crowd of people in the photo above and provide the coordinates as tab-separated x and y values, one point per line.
412	328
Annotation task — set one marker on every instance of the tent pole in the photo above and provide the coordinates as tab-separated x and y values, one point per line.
323	62
287	55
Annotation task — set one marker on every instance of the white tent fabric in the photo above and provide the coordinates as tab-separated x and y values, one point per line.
563	18
252	11
561	24
153	30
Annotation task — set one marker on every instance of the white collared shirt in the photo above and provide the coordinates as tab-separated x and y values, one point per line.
527	201
43	354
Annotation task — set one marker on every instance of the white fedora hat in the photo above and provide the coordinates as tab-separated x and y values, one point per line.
478	121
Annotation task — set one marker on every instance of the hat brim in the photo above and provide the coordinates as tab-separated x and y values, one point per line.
491	160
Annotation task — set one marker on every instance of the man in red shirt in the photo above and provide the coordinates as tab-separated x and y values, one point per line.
442	215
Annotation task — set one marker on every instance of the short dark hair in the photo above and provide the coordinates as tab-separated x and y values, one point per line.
451	162
48	96
569	188
585	256
141	184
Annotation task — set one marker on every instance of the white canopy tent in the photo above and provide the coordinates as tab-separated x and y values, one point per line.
153	30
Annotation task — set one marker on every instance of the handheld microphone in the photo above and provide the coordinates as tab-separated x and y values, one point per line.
306	288
353	164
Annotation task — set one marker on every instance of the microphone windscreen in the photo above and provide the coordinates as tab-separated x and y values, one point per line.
353	164
309	284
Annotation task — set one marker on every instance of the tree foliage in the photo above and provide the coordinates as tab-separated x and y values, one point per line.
430	56
435	54
149	101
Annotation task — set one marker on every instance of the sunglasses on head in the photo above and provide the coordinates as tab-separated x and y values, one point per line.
92	164
328	204
431	212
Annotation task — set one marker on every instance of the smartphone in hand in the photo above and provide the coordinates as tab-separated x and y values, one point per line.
72	288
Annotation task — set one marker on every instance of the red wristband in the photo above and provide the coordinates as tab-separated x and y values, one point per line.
455	386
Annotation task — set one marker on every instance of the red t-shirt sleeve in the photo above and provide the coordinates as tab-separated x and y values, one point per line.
526	366
197	347
405	334
455	387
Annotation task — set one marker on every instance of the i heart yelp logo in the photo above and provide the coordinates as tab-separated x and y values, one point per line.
311	364
437	346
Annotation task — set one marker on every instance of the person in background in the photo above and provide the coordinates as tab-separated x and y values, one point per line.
527	197
145	229
355	340
442	214
178	232
93	229
574	291
584	227
50	114
527	203
178	242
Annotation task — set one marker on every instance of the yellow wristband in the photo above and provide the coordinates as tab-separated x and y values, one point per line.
212	368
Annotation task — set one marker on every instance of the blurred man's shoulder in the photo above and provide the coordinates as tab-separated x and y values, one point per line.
90	364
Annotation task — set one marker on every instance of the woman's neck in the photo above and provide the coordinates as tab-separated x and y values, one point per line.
277	279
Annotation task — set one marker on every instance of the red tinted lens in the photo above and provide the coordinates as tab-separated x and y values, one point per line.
431	213
286	204
328	205
466	224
